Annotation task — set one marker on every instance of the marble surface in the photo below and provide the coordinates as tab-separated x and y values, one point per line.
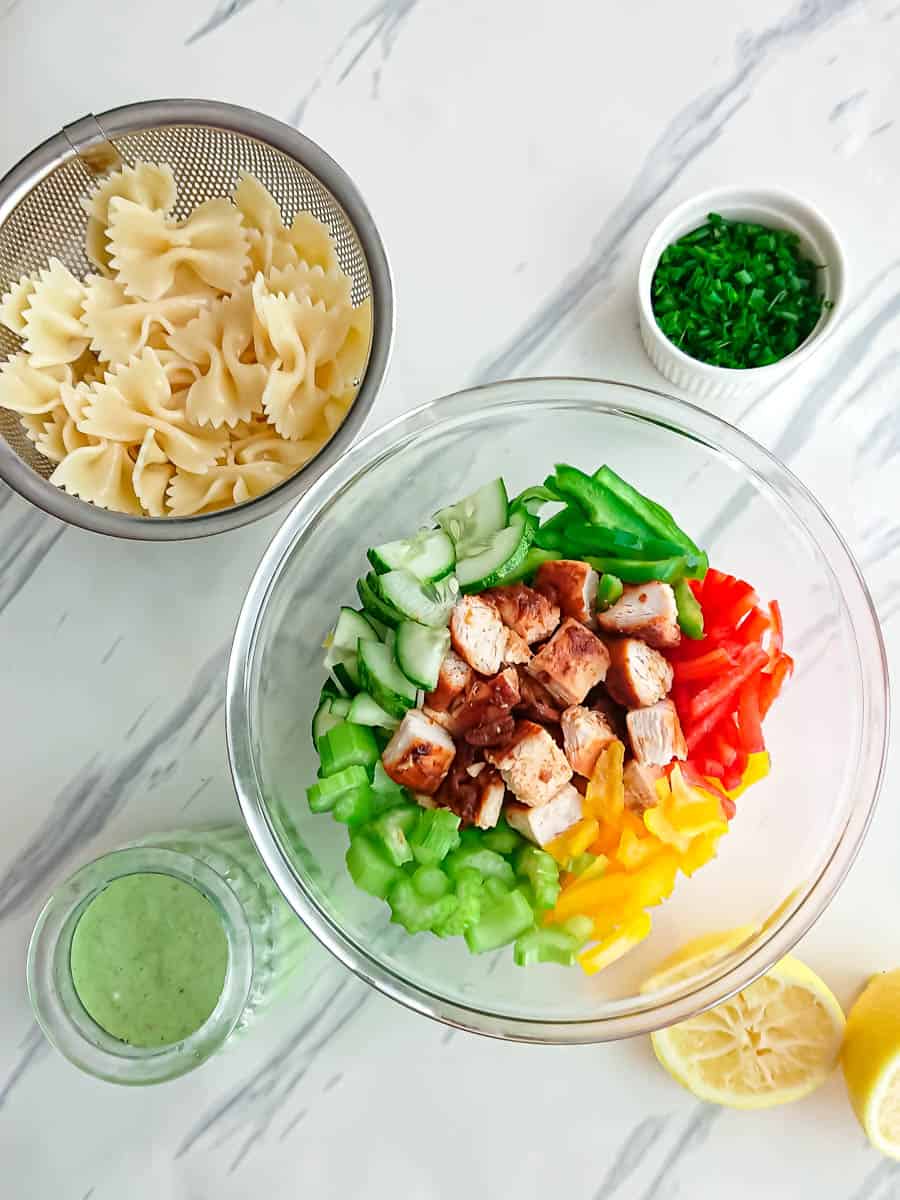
515	155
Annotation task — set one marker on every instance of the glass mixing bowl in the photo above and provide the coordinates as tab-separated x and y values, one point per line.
795	834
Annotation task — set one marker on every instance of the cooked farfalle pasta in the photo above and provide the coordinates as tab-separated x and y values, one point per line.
212	358
148	248
53	331
148	184
228	389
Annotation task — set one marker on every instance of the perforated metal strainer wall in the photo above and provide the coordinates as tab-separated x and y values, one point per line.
207	146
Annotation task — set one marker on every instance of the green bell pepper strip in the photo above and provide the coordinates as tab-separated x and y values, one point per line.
529	565
488	863
414	912
323	795
658	519
470	898
609	590
665	570
436	833
500	923
540	869
391	830
597	503
690	614
533	499
559	944
582	538
370	868
346	745
549	535
501	838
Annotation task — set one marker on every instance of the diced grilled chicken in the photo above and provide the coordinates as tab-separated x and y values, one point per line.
419	754
614	713
491	791
570	584
638	675
517	650
452	720
542	825
477	634
532	765
640	792
525	610
536	703
454	677
472	789
655	734
483	717
586	734
571	663
647	611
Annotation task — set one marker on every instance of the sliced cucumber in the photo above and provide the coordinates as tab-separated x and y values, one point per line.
347	675
366	711
351	626
383	679
420	652
476	518
429	555
503	553
323	718
375	606
340	706
427	603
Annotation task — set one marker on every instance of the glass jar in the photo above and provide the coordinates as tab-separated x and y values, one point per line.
266	944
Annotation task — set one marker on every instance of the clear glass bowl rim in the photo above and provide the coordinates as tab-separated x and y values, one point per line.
681	418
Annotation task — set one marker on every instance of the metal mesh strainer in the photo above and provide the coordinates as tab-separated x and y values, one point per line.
207	145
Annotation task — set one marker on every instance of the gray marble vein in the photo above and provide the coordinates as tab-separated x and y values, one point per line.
25	547
221	15
253	1107
382	24
847	104
695	1134
686	136
631	1155
99	789
32	1048
881	1183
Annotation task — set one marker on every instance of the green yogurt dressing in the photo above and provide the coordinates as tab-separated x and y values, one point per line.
148	959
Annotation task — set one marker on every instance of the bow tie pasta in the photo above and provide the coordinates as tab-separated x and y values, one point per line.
210	359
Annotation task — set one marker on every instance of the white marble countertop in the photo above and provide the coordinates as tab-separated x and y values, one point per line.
515	155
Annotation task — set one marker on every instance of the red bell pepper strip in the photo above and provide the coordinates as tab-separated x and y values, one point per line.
749	720
725	752
777	627
723	688
754	628
772	682
703	667
695	733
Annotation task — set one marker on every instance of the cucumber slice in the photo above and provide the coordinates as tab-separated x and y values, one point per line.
427	603
347	675
420	652
499	558
475	518
429	555
323	718
365	711
383	679
351	626
375	606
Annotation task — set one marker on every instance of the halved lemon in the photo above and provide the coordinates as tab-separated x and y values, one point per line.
871	1061
774	1042
697	956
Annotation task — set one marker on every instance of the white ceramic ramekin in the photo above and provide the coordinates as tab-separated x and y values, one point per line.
767	206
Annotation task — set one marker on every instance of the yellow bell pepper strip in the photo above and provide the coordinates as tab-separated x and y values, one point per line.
634	852
683	813
611	948
585	896
574	841
605	795
655	882
586	866
701	851
758	766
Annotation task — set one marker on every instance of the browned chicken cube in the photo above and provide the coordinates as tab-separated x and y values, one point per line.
489	792
586	734
477	634
542	825
570	584
571	663
644	610
532	765
517	650
638	675
525	610
640	790
484	716
419	754
453	679
655	734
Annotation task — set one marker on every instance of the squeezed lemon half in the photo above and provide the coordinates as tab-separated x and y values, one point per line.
871	1061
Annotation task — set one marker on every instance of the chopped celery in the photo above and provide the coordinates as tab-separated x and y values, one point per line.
500	923
353	808
347	745
435	835
469	900
488	863
391	830
495	888
323	795
581	863
557	944
501	838
369	867
414	912
430	882
542	873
